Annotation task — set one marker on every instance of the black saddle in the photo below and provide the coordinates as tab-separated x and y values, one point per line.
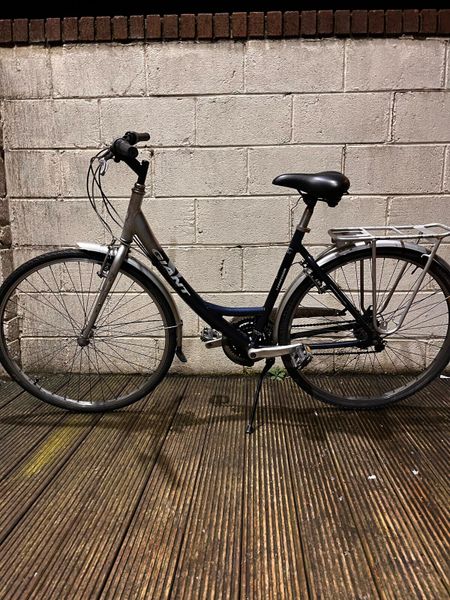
327	185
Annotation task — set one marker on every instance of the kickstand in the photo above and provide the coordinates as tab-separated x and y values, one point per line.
269	364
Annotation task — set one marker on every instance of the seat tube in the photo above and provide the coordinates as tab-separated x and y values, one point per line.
286	264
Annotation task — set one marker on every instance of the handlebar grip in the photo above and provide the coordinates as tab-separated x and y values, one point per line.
142	137
133	137
122	149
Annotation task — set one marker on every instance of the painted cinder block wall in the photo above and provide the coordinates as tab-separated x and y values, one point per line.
225	118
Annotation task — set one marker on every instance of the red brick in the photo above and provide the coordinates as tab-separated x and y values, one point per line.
20	30
410	21
444	22
70	29
119	28
103	29
187	27
256	24
394	22
53	29
291	23
428	20
170	27
342	22
36	30
308	22
239	25
5	31
376	22
204	26
136	27
221	24
359	22
274	23
86	29
325	24
153	27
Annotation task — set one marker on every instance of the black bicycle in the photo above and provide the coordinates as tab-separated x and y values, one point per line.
93	329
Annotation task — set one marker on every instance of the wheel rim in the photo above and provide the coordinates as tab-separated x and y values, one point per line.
409	357
43	315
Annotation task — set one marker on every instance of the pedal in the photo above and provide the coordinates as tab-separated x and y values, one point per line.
211	337
301	356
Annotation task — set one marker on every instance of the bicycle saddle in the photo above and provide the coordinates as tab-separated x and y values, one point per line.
327	185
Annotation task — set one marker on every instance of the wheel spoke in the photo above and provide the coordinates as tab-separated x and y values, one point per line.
131	335
367	376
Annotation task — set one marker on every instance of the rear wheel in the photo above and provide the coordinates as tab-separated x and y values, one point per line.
45	304
363	372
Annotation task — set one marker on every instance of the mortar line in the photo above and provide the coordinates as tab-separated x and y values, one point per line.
391	123
445	66
291	139
247	157
242	270
343	157
281	92
344	67
100	119
195	221
147	88
444	168
388	210
195	119
244	68
50	70
298	145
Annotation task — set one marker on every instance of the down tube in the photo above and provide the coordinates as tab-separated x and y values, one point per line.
177	282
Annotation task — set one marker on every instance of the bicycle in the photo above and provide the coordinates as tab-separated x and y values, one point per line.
93	329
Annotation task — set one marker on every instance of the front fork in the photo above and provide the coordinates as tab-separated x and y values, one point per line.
134	207
109	278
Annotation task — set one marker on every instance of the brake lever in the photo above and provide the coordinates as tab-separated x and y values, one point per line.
103	158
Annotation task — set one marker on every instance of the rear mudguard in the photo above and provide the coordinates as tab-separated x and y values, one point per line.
97	248
333	252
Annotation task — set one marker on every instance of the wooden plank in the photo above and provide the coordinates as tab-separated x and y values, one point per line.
148	559
273	563
75	526
388	527
424	422
334	554
169	498
210	552
9	390
27	424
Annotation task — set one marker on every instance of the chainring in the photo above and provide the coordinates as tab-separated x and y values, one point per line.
235	353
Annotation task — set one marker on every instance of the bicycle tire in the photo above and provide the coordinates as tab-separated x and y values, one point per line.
410	360
44	305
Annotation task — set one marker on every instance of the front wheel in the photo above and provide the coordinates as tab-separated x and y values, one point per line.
44	306
363	372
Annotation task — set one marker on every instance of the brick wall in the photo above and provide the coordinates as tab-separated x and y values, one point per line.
219	26
225	118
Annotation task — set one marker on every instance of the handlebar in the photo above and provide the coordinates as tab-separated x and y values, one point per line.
123	147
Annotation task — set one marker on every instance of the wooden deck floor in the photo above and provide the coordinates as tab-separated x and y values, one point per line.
170	499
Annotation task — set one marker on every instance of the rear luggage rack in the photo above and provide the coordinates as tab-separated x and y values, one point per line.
432	232
436	231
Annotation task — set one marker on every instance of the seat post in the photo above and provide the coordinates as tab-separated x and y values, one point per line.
307	214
